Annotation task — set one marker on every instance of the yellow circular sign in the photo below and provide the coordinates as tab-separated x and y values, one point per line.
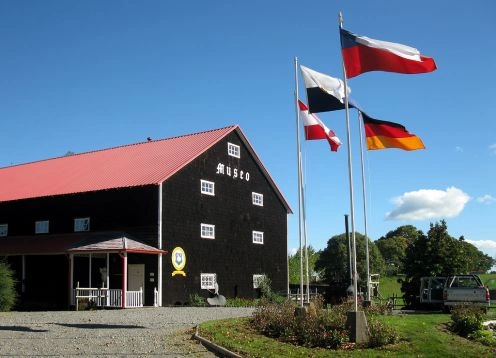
178	258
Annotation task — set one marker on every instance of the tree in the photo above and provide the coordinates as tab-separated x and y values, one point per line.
294	266
393	247
439	254
334	260
7	287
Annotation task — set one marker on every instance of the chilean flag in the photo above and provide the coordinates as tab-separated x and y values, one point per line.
316	129
362	54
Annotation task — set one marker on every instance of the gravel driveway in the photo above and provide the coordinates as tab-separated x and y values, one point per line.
141	332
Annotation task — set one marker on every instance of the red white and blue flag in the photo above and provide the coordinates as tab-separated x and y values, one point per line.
316	129
363	54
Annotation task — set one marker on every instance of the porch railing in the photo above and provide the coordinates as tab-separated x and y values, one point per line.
104	297
155	297
134	298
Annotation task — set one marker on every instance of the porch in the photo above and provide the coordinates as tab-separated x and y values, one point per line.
109	298
105	269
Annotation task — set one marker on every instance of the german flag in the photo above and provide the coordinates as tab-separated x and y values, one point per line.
382	135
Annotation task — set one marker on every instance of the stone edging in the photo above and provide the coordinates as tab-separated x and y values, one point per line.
214	347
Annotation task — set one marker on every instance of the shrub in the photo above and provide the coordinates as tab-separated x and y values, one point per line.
381	334
196	300
266	293
377	310
275	320
466	320
240	302
484	337
7	287
320	327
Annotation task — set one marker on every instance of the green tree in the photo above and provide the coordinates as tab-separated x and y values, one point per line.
479	262
439	254
7	287
393	247
294	266
334	260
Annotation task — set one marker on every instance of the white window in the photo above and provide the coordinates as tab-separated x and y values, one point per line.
82	224
233	150
207	231
41	227
257	279
258	237
4	229
208	281
207	187
257	199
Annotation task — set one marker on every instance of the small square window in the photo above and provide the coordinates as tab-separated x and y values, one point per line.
82	224
257	279
257	199
41	227
4	229
207	231
208	281
233	150
258	237
207	187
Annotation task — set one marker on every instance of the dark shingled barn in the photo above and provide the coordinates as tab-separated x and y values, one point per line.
152	223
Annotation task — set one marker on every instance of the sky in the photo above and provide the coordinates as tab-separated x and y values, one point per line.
84	75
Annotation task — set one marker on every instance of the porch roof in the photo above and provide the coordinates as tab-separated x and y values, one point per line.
112	242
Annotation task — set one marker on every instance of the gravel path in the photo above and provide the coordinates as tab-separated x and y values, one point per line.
143	332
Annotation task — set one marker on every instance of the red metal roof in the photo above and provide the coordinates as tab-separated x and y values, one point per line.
145	163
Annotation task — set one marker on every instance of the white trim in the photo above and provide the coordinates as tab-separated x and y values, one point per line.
256	280
233	150
159	244
207	231
257	199
207	187
207	281
257	237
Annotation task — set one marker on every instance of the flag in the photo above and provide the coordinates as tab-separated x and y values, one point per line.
316	129
382	135
324	93
362	54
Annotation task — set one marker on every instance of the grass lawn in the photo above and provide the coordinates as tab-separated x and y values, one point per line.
422	335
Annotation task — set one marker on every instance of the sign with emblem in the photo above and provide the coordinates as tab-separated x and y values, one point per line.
178	258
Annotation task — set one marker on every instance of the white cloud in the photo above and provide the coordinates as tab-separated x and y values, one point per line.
486	199
492	147
426	204
459	149
483	244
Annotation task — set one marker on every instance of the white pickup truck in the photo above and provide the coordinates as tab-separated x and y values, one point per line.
447	292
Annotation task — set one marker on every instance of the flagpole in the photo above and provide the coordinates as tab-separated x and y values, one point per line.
367	262
300	198
304	217
350	176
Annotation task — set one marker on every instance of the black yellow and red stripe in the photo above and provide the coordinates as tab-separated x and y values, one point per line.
382	134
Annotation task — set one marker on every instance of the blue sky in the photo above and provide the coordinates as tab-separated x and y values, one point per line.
86	75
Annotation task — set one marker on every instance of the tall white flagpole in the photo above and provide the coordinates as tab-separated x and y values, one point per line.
304	217
350	175
367	262
300	198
